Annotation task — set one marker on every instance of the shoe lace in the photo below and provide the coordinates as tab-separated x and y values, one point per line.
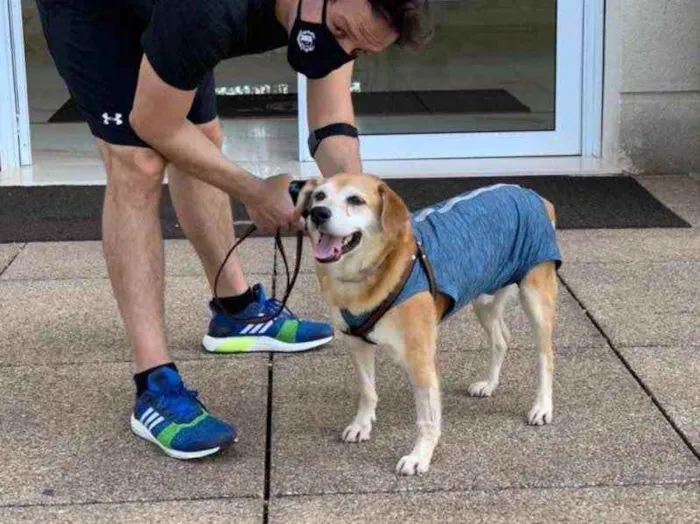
273	306
181	402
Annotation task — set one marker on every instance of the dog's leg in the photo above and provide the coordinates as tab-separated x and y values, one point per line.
426	390
421	365
361	427
538	294
489	311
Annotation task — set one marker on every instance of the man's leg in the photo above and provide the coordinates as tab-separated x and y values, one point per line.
97	50
165	412
133	247
204	213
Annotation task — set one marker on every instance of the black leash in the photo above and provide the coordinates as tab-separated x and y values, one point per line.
291	280
294	189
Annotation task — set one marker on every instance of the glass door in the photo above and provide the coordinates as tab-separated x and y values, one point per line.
500	78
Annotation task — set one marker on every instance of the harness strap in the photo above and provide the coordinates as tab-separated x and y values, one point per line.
362	331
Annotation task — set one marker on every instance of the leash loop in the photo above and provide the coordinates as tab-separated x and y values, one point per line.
291	280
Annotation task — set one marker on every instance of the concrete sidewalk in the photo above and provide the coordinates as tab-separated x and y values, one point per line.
624	445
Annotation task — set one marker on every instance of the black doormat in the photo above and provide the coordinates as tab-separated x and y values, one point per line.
58	213
389	103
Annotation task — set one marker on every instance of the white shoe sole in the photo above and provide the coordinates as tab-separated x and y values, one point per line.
142	431
262	345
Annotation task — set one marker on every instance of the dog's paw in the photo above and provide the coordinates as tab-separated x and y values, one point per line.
412	465
540	414
357	433
483	388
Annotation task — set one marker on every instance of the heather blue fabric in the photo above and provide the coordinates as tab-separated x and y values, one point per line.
477	243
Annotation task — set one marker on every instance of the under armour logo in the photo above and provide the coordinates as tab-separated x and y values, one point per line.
306	40
117	119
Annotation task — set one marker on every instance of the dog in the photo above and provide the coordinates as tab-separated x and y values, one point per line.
369	250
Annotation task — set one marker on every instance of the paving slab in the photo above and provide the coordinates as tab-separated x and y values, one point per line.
629	245
66	437
244	511
7	254
623	505
671	373
641	304
48	322
605	430
680	193
79	321
307	259
68	260
463	330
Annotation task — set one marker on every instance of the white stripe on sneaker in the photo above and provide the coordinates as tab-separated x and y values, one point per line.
145	414
150	419
266	327
257	328
155	423
247	328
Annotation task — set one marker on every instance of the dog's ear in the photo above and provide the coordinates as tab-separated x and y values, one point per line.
395	215
301	194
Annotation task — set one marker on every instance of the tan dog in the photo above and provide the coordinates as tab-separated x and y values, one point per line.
371	244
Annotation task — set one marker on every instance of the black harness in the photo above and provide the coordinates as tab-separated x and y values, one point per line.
362	331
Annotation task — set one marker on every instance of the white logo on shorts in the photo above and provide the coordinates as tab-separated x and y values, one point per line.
117	119
306	40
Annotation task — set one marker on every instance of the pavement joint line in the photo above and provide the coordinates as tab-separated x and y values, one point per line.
432	491
268	441
310	354
429	491
632	372
14	257
648	261
268	411
81	279
641	346
127	501
38	365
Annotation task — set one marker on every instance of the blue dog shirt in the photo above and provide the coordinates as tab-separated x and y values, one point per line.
477	243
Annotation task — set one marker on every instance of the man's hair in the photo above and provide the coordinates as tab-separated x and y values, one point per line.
411	19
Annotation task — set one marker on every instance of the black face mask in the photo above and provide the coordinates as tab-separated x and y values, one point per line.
313	51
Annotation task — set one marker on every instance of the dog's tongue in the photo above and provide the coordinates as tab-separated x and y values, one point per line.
327	247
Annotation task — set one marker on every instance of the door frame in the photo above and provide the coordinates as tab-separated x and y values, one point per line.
15	135
578	105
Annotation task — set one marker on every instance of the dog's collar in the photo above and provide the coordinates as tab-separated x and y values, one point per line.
376	315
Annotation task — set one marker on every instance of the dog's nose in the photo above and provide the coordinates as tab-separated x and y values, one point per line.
319	215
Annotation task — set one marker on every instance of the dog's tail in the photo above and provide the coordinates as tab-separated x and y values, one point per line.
551	213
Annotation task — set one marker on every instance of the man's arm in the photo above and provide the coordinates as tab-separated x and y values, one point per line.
328	102
159	117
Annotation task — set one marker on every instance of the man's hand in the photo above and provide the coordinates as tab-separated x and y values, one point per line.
270	206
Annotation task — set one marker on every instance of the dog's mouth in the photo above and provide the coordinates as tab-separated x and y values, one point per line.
330	248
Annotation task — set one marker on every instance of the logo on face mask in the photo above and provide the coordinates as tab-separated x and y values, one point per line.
306	40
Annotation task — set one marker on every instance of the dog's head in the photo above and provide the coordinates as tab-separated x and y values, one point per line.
352	220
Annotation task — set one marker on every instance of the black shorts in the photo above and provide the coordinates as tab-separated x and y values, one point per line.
96	46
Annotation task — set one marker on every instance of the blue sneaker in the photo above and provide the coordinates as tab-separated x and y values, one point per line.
170	416
283	334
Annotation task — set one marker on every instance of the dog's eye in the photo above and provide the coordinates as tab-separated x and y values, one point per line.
355	200
319	196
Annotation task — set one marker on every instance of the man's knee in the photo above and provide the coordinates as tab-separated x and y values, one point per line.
137	167
213	131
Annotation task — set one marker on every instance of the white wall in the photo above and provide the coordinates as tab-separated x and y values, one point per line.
653	85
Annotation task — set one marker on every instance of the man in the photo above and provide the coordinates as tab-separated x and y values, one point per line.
141	73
